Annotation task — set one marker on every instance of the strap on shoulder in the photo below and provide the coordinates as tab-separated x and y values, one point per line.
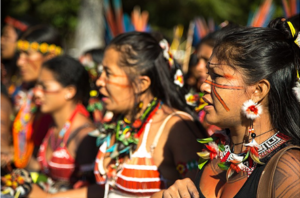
161	128
265	184
76	131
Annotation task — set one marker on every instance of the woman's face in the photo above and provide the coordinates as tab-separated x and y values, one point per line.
49	93
8	42
30	63
117	91
203	55
225	92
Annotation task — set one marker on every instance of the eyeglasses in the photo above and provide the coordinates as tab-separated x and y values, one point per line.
39	88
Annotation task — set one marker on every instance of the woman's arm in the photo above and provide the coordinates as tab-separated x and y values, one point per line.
6	143
182	141
184	188
286	181
93	191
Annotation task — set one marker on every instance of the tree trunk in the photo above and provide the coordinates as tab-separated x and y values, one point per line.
90	27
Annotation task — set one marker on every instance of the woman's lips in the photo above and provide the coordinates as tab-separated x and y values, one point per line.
22	72
207	101
38	102
104	98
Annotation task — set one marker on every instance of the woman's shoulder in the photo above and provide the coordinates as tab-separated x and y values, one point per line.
289	162
82	127
287	175
175	115
178	123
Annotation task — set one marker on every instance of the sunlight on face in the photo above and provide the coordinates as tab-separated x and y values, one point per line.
49	93
225	92
117	91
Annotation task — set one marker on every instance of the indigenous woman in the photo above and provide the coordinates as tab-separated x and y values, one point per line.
152	140
37	44
252	90
67	153
11	31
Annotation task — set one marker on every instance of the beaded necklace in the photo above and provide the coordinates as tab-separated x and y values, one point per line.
60	141
126	134
218	146
22	131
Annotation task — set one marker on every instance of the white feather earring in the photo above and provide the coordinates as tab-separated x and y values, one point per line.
252	111
296	89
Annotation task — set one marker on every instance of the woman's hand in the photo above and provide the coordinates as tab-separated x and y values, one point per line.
184	188
36	191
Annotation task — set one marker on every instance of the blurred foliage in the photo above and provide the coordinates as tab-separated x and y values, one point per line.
164	14
62	14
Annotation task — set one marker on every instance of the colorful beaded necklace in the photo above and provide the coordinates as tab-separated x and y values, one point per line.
60	141
217	146
22	131
126	134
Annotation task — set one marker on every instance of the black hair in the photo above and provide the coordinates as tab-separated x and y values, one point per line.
141	52
268	53
96	54
42	34
70	72
295	20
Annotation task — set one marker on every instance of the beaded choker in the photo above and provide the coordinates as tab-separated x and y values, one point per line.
217	146
126	134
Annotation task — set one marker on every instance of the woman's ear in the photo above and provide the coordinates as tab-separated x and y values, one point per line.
49	56
143	84
262	89
70	92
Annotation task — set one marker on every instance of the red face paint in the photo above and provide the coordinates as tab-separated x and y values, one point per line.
116	84
223	86
228	76
214	85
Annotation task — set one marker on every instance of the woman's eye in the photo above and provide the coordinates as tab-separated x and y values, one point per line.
217	75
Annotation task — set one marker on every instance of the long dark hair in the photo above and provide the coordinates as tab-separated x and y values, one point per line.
268	53
68	71
142	52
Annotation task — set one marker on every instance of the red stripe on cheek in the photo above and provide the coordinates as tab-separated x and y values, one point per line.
220	99
117	84
228	76
223	86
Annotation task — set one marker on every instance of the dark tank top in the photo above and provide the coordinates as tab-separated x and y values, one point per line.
249	189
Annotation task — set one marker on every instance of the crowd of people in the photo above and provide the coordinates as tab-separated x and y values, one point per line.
124	121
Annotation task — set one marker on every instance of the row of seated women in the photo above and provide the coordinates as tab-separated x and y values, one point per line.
152	139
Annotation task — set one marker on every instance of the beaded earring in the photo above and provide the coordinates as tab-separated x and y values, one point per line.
252	111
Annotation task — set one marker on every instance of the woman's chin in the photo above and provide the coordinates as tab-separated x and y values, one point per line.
44	109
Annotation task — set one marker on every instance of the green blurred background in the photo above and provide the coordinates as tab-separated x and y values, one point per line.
164	15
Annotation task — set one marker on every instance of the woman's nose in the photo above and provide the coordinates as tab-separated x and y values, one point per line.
21	60
100	82
37	91
205	87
